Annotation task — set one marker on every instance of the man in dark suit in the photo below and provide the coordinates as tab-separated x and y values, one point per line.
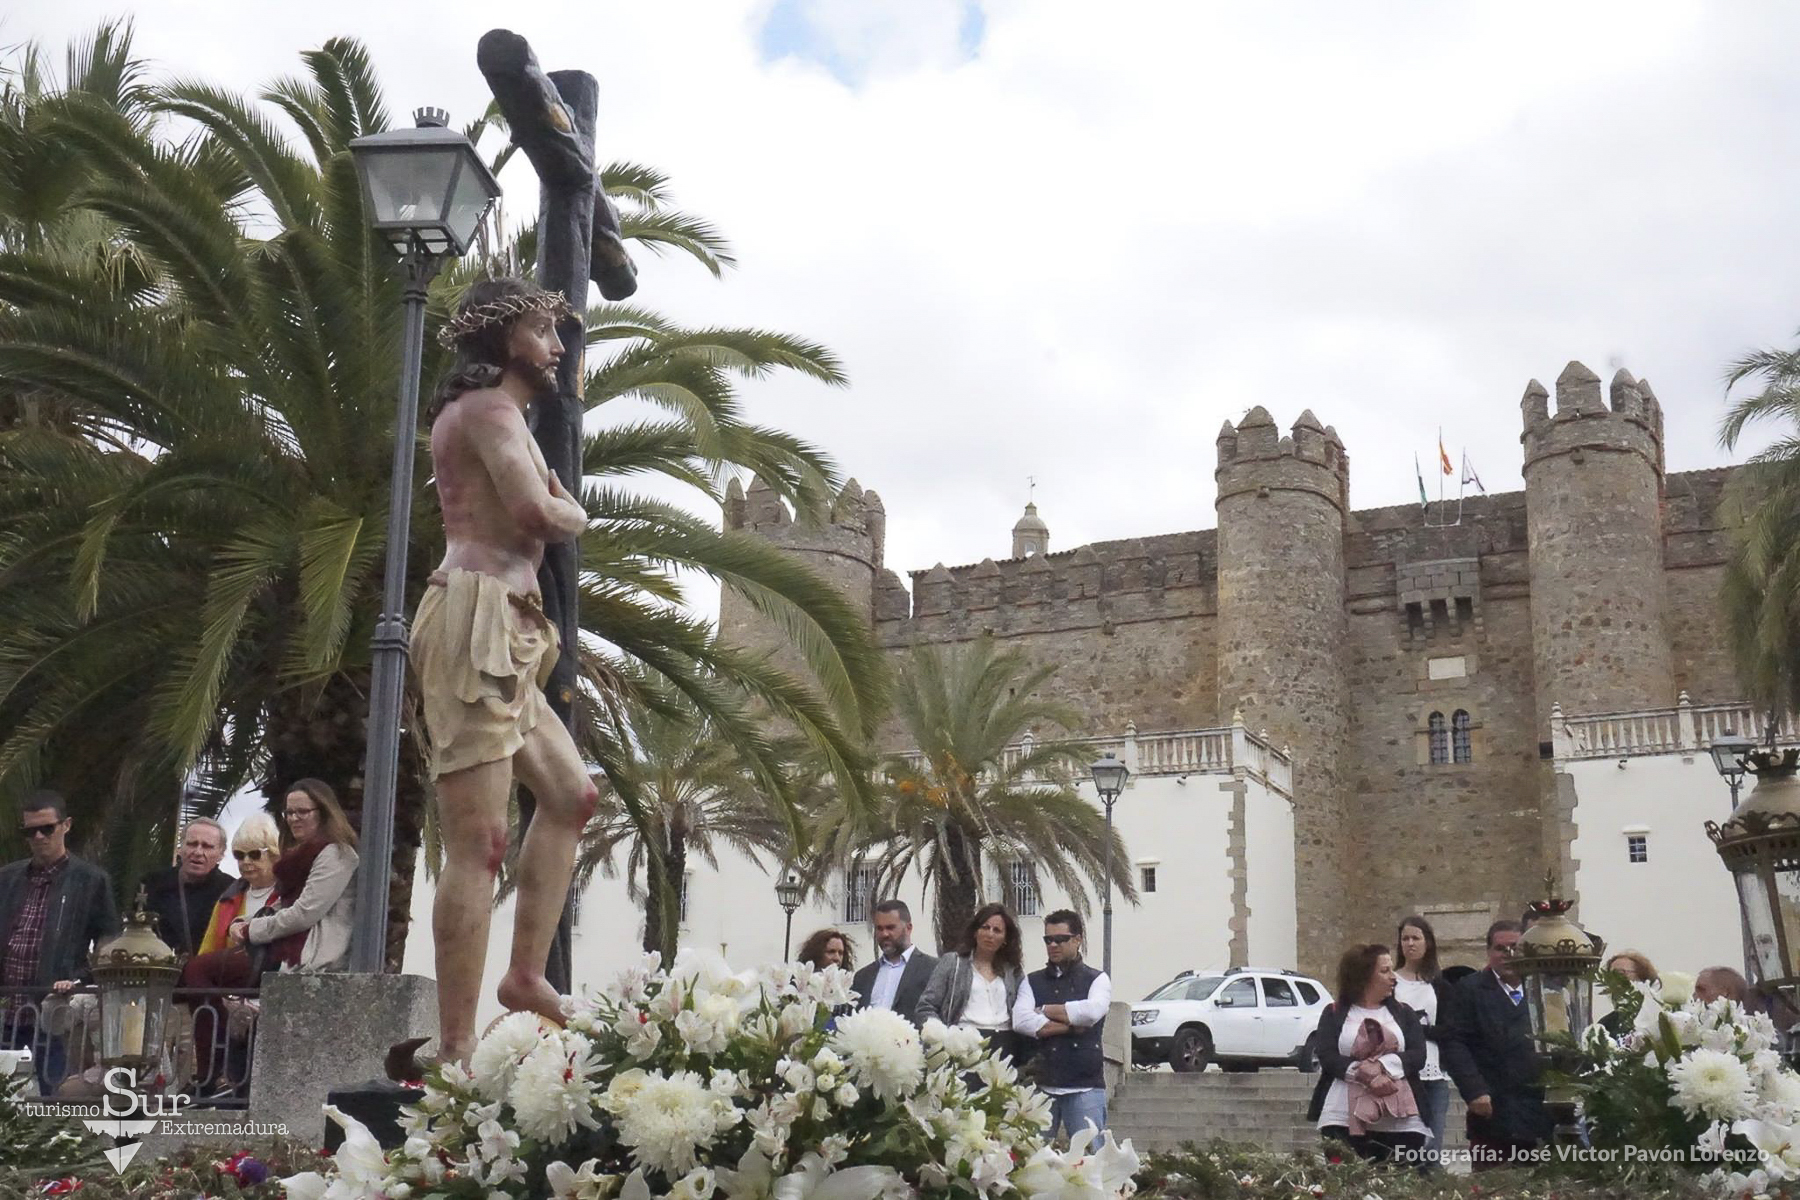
1506	1102
897	977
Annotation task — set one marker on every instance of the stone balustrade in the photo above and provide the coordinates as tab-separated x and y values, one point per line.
1686	728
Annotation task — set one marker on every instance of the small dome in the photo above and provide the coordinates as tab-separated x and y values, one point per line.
1031	522
1030	536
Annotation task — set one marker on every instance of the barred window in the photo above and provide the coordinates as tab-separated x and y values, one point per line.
1637	848
859	893
1021	888
1440	738
1461	748
1148	875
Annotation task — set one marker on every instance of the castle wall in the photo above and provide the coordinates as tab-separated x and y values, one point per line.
1694	548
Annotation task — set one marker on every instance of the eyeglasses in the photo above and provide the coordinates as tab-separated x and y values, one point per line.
299	812
1057	939
252	855
39	831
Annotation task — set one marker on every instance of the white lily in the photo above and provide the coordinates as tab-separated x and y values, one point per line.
567	1183
359	1166
1776	1144
814	1180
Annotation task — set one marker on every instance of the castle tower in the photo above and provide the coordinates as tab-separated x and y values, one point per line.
1593	492
1282	633
1030	536
845	547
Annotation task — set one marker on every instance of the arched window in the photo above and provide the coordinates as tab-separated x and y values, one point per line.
1440	739
1460	748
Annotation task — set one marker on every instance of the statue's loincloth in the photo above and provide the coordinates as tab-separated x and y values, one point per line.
482	652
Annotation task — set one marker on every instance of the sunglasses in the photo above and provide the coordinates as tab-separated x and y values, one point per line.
1057	939
39	831
252	855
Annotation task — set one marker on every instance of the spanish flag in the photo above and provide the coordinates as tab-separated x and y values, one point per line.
1444	455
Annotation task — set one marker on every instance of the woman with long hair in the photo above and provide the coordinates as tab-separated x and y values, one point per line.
827	948
976	984
315	903
1420	985
1636	968
1370	1049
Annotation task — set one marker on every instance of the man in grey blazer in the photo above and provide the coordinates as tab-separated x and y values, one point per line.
898	975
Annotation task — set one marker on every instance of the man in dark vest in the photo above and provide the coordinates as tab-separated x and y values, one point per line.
1064	1007
1507	1118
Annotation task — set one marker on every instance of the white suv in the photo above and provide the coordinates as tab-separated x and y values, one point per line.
1242	1019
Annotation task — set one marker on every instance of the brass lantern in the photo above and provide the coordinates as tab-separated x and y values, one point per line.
1760	846
1556	960
136	973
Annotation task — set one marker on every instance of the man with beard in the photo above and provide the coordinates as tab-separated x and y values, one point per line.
1505	1095
483	648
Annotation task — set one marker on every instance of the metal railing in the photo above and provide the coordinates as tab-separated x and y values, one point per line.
1685	728
207	1052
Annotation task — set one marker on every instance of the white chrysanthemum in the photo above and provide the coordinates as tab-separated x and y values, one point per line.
669	1119
1712	1084
883	1051
497	1058
553	1091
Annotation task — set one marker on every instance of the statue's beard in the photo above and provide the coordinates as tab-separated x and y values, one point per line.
542	378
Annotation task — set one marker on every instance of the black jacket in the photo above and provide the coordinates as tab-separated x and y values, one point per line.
1334	1063
1453	1056
183	908
912	984
80	913
1497	1035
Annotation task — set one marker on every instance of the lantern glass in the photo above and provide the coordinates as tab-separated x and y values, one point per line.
1770	901
789	892
407	191
135	1016
1559	1003
1110	775
469	200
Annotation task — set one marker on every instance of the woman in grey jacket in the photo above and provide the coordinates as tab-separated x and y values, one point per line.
977	984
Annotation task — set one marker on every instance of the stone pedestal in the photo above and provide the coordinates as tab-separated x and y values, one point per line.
1115	1044
321	1032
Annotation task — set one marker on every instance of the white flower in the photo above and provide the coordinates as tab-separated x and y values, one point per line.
1711	1143
498	1056
830	987
883	1051
698	1184
1712	1084
669	1119
640	1031
958	1041
813	1180
553	1091
754	1178
796	1075
1776	1144
797	1017
359	1168
704	970
566	1183
1677	988
845	1095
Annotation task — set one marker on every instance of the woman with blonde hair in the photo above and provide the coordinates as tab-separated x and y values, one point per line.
255	845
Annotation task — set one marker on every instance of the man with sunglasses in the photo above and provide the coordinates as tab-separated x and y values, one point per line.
1064	1007
54	908
181	897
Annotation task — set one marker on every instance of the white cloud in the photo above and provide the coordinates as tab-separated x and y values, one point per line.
1075	252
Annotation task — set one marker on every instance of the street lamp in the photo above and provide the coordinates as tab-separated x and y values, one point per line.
1109	780
425	191
1556	960
1730	754
136	973
1760	846
788	893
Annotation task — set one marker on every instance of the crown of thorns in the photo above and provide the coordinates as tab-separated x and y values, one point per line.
498	312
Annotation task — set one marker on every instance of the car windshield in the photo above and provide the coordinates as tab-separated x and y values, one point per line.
1187	988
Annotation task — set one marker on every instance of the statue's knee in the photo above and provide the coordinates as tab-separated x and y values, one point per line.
496	850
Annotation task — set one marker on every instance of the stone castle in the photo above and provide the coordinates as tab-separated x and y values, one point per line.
1412	668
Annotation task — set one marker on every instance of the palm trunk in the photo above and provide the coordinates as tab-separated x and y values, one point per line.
958	885
323	735
665	880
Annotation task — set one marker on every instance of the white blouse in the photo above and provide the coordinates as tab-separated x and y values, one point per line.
986	1008
1337	1100
1422	998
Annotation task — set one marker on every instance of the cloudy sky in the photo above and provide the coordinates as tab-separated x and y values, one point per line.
1065	240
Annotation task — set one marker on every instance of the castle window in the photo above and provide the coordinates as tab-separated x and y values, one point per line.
1440	738
1637	848
859	893
1020	888
1147	879
1461	749
1415	619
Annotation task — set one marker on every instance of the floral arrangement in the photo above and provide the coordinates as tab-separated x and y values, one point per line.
1701	1083
697	1083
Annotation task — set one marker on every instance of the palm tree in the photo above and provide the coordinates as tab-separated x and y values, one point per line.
692	797
976	791
207	599
1760	594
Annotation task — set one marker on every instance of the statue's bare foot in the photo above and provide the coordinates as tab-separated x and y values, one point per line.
528	991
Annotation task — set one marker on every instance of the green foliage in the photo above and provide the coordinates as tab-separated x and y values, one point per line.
194	1171
33	1147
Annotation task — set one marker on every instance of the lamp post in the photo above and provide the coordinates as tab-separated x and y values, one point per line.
136	972
425	191
1109	780
1731	758
788	893
1556	960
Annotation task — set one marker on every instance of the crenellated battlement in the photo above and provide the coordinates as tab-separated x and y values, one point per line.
1255	457
855	525
1583	421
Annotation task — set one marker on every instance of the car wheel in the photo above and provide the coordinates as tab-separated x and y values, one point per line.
1190	1050
1306	1060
